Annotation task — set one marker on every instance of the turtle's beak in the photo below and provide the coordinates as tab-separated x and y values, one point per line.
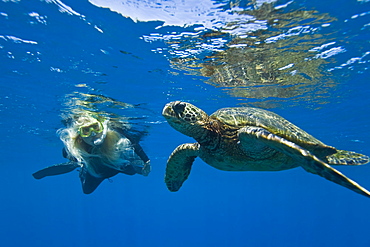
167	110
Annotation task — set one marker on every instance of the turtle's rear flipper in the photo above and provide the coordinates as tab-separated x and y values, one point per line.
56	170
308	161
342	157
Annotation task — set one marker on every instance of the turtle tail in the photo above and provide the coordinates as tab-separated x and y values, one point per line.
342	157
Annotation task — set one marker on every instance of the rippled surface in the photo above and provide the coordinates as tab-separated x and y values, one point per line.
305	60
135	116
259	50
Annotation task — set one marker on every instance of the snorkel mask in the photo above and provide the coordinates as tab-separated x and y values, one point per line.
91	130
94	130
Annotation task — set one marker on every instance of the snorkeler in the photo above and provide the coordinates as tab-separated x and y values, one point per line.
101	148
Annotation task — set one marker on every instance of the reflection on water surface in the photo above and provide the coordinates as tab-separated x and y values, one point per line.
286	60
129	114
257	50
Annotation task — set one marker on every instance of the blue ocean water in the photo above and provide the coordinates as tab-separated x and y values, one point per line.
308	61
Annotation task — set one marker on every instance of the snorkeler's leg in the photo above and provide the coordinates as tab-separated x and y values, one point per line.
56	170
89	182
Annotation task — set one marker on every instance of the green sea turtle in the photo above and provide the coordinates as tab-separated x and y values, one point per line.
250	139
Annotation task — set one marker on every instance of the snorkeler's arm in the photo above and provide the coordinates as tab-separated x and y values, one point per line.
65	155
140	152
138	149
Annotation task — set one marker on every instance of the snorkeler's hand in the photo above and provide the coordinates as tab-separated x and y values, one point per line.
146	168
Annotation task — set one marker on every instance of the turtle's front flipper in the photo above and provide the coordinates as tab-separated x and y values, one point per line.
56	170
308	161
179	165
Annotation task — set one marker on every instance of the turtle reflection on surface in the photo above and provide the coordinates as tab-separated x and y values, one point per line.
283	61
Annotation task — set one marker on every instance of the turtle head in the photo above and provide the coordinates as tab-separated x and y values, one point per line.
185	118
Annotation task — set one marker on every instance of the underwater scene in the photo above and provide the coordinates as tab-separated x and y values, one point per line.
185	123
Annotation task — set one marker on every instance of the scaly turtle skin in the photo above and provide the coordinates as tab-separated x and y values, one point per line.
250	139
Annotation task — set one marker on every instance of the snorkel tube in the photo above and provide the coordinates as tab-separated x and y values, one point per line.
100	140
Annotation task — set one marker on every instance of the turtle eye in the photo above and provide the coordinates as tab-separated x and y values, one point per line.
179	108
